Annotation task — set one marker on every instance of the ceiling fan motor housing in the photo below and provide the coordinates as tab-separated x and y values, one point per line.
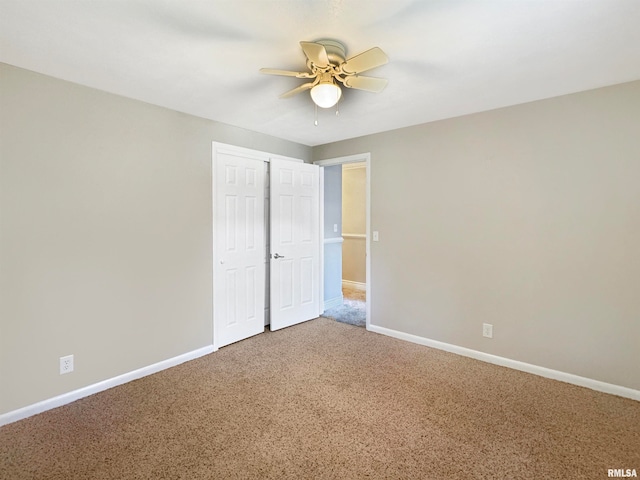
335	51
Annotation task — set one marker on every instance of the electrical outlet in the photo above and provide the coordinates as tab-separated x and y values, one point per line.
376	236
66	364
335	227
487	330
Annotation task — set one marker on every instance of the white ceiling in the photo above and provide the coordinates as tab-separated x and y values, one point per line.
447	58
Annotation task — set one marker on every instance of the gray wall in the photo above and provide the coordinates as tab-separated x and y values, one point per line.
332	216
525	217
105	233
332	201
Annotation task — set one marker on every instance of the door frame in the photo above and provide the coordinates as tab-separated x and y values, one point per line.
257	155
329	162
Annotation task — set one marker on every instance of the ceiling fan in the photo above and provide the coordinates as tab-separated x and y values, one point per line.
328	67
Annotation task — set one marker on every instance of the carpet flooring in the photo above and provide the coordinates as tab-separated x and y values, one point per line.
353	309
328	400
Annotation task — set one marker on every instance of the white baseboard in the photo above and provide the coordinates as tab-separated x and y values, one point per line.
515	364
334	302
356	285
69	397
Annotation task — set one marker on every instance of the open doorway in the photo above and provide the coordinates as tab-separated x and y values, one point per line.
346	239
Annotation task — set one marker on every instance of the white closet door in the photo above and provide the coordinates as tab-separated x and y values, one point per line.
239	263
295	243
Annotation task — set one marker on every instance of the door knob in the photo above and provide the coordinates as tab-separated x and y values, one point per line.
278	256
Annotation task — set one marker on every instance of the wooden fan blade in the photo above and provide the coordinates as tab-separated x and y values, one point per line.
286	73
370	84
295	91
365	61
316	53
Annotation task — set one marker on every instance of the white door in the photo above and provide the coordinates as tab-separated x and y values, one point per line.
295	243
239	254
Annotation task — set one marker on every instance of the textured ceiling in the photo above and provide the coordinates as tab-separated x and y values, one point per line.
447	58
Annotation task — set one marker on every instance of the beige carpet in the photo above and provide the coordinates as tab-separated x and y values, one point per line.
329	400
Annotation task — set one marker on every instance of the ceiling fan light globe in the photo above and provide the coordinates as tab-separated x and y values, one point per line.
326	95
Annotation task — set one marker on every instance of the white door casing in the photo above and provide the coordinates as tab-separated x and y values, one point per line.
295	243
267	248
239	247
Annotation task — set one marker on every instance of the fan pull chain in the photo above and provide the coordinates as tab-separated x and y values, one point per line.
315	119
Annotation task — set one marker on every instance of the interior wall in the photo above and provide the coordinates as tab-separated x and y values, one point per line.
333	239
354	222
106	233
526	217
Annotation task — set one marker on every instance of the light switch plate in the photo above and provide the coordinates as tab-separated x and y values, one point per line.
376	237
